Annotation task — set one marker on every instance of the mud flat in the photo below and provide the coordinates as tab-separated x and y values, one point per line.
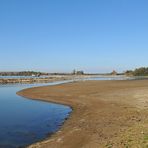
106	114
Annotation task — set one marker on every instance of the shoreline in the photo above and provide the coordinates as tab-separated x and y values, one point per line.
31	80
83	128
54	78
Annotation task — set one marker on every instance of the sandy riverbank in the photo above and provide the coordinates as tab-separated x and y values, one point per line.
110	114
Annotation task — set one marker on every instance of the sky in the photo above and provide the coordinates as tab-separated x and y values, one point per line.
62	35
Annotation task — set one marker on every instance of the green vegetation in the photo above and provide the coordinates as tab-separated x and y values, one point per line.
81	72
109	145
143	71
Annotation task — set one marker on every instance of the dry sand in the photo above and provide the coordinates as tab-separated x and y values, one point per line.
106	114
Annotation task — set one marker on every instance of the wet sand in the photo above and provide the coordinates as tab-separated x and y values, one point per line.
106	114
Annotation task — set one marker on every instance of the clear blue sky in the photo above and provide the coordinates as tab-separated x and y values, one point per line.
60	35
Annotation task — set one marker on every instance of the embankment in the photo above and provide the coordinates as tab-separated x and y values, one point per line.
105	114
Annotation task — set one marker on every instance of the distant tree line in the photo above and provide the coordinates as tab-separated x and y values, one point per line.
142	71
79	72
22	73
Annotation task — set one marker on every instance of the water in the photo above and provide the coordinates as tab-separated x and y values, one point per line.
110	78
101	78
24	121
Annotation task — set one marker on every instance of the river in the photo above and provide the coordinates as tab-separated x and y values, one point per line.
24	121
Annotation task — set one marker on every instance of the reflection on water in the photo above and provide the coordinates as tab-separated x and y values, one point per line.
24	121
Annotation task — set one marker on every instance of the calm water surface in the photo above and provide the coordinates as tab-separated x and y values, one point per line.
24	121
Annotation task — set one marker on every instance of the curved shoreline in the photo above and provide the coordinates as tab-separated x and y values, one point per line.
96	108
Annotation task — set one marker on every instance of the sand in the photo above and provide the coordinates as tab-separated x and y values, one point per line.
106	114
